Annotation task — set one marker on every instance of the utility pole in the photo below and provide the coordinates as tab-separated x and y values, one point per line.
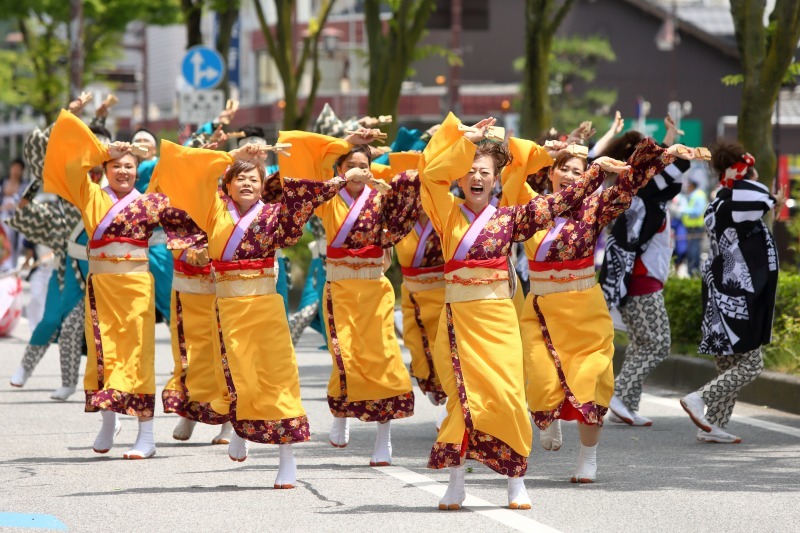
454	80
76	48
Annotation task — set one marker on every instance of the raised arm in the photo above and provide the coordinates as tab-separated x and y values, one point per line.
401	207
300	199
189	177
447	157
72	151
312	155
646	161
540	213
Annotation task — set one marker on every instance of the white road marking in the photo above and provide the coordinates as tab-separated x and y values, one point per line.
771	426
507	517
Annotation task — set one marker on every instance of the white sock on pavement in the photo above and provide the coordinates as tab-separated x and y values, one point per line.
184	429
517	494
145	445
108	430
586	472
382	453
340	432
237	449
455	495
287	468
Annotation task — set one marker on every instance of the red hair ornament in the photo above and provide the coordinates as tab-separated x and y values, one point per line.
737	171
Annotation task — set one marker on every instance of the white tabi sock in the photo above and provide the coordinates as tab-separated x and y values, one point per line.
382	453
184	429
225	434
550	438
237	449
108	430
517	494
287	468
145	445
456	494
586	472
340	432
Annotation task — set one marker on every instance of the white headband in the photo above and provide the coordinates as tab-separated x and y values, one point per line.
144	136
253	139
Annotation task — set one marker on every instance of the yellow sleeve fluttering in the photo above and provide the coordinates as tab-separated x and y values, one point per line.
189	177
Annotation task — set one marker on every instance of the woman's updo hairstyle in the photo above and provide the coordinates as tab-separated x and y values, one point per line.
499	152
239	166
623	146
724	154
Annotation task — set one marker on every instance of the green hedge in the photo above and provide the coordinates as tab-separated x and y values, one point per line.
685	309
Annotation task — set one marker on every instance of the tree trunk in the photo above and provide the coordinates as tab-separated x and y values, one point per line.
536	117
193	14
755	128
227	19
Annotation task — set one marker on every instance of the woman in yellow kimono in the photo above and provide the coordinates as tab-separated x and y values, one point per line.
193	386
120	315
368	380
567	333
478	353
422	293
243	236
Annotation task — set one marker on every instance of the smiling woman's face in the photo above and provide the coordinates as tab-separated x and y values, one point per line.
245	189
121	174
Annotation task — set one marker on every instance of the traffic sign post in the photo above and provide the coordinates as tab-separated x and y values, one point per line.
199	107
202	68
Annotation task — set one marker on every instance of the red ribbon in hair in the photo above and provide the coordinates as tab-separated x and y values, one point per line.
737	171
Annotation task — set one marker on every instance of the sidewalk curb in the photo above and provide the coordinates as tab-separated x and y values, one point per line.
770	389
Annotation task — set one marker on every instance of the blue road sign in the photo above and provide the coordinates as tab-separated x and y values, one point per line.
202	67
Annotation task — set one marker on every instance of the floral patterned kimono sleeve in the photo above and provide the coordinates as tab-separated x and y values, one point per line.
300	199
189	177
541	212
447	157
648	160
400	208
528	158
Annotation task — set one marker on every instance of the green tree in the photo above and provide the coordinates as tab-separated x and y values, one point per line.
542	19
766	54
39	69
292	68
393	47
574	60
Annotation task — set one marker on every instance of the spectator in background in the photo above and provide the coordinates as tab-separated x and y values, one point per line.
12	188
692	215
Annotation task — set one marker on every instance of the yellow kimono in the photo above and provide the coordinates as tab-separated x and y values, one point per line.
422	292
368	379
258	360
120	305
194	384
567	332
478	353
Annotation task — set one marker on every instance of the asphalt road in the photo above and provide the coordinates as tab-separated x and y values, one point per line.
650	479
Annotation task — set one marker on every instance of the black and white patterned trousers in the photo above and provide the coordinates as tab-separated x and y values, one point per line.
734	372
70	344
648	330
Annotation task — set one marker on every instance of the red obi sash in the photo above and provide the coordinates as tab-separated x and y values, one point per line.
573	264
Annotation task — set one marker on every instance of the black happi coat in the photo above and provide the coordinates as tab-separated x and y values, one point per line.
740	277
